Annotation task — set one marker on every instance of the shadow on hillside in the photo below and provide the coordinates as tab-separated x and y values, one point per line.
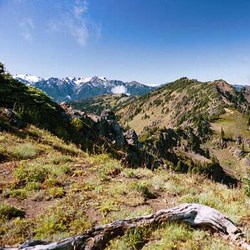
226	178
212	170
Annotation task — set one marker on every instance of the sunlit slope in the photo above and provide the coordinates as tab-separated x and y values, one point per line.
181	103
97	104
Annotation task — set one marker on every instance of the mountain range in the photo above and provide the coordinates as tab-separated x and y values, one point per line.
77	88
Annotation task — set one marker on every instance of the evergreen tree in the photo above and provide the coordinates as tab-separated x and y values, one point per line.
222	134
207	154
2	70
243	147
179	166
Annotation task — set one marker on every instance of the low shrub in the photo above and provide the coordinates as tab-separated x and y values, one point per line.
56	192
26	173
23	151
7	211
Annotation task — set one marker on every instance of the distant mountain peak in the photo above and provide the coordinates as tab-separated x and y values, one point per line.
224	86
76	88
99	78
28	77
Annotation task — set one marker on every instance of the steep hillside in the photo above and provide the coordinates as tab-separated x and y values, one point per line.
22	105
97	104
25	104
208	120
246	93
182	103
50	190
230	142
73	88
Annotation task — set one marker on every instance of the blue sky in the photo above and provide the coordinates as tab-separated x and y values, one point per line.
151	41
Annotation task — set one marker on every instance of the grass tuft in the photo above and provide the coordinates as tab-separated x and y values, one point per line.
9	212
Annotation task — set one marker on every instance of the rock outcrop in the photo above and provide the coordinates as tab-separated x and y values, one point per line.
13	118
105	131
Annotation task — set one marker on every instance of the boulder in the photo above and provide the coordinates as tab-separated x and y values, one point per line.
131	138
14	119
107	114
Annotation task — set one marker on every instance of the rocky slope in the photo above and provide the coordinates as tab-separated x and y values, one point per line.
72	88
246	93
22	105
50	190
207	117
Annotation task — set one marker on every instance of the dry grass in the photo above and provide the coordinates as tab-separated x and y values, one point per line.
63	191
233	123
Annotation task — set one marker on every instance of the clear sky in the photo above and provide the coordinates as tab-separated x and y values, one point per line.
151	41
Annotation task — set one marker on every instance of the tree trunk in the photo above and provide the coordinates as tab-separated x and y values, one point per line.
193	214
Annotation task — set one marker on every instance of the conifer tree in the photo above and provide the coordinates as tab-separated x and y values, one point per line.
222	134
2	70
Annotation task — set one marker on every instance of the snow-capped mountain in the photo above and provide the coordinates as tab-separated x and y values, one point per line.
29	79
76	88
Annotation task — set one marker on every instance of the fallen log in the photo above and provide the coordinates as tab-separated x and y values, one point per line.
193	214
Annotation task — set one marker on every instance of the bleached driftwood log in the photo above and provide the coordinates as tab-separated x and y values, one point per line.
194	214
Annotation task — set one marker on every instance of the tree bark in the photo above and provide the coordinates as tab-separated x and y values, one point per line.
193	214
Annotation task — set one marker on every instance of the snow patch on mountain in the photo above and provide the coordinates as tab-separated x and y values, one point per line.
103	78
29	78
82	80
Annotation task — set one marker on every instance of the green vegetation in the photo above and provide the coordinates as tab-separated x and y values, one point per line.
50	188
28	105
9	212
66	194
233	123
171	236
189	103
97	104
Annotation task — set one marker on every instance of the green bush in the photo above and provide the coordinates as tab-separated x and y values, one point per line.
135	238
23	151
7	211
30	173
63	218
77	123
19	193
246	185
60	159
56	192
144	189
